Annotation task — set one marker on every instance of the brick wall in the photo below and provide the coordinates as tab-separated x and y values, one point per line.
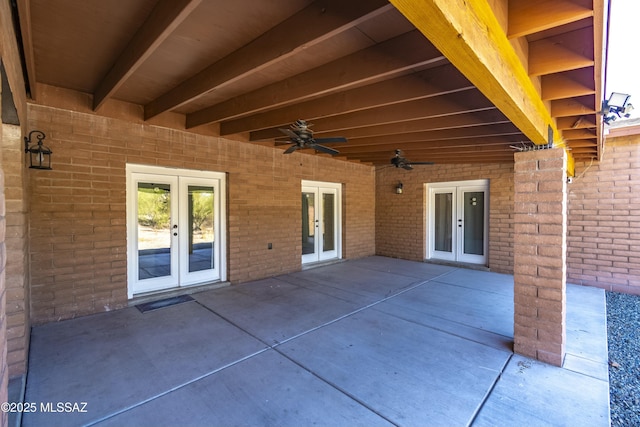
604	219
401	219
12	159
78	226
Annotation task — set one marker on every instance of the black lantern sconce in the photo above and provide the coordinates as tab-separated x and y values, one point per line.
39	155
399	188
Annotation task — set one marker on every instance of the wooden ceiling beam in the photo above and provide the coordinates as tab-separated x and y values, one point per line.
414	154
26	32
479	118
564	52
570	134
425	84
529	17
600	36
568	84
469	34
453	156
165	17
439	135
316	23
573	106
437	145
444	105
577	122
451	160
585	152
583	143
376	62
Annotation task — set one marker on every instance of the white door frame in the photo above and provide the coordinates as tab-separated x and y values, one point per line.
318	188
135	173
457	189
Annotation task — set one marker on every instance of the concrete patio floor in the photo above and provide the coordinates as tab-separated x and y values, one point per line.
371	342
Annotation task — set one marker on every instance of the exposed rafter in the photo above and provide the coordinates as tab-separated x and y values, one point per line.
470	36
435	135
284	40
384	76
443	105
574	106
164	19
376	62
568	84
528	17
434	82
567	51
457	121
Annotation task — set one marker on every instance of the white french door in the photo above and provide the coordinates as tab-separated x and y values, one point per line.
175	228
458	221
321	236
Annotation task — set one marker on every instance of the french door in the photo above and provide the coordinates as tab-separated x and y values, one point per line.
458	221
174	228
321	203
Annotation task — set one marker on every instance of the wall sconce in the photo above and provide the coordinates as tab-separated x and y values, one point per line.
39	155
399	188
618	104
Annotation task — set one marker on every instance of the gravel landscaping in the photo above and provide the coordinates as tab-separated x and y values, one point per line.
623	327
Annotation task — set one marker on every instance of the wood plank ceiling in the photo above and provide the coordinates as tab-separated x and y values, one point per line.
357	69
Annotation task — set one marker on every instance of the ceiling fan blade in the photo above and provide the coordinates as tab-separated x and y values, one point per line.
422	163
407	166
291	149
330	140
291	134
323	149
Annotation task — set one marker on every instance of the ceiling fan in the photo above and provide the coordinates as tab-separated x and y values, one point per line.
301	136
401	162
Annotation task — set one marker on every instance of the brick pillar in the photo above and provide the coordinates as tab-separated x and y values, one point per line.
540	243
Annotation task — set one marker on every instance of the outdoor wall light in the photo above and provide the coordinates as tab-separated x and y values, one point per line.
39	155
399	188
617	105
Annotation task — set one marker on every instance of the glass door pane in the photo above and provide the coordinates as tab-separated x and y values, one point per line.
308	223
154	230
473	206
328	222
201	213
443	222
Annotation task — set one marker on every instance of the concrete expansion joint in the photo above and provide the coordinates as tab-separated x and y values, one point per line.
490	390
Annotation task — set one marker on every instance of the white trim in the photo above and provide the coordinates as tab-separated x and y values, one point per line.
334	188
456	188
132	169
471	183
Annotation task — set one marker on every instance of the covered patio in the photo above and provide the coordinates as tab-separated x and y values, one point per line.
371	341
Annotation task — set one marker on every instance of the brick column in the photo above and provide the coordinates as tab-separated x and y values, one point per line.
540	243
